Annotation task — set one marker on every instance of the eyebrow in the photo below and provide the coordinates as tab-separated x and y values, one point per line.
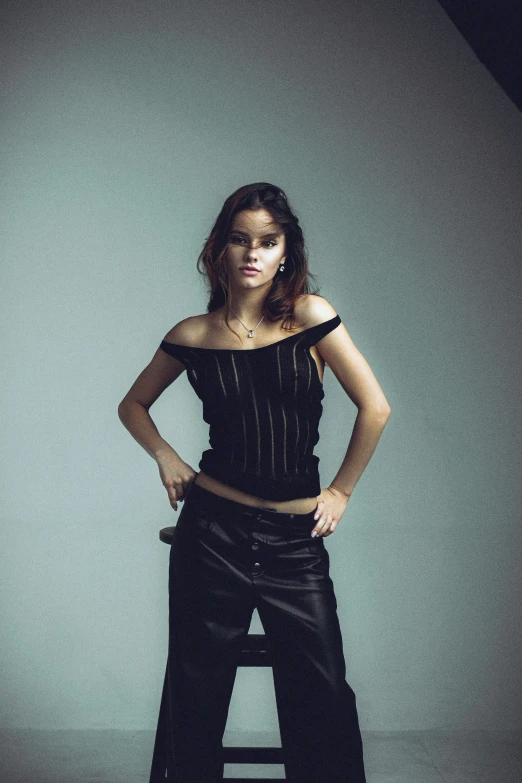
263	236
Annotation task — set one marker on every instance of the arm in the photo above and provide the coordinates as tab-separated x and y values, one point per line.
360	384
133	411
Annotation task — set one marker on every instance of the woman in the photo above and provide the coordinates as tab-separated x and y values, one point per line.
252	527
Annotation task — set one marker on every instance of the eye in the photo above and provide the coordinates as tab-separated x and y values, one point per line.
239	240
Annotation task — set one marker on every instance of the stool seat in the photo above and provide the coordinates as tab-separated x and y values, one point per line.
166	534
255	651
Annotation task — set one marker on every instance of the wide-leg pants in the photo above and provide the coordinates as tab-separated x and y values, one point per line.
227	559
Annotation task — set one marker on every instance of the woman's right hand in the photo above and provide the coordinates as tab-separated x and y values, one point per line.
176	476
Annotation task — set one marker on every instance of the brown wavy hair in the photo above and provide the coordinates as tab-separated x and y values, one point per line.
287	286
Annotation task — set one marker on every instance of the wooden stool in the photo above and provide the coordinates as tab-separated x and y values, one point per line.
254	652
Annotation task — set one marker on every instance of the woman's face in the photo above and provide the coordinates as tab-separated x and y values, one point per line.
254	241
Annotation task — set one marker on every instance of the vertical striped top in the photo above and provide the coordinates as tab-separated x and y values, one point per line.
263	406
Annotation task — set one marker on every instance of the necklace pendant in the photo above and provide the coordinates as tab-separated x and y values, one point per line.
251	333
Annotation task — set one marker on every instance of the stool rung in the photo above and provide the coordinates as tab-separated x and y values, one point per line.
255	651
252	755
257	780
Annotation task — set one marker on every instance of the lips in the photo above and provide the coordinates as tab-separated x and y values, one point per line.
249	268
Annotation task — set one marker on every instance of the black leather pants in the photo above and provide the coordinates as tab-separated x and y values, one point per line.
227	559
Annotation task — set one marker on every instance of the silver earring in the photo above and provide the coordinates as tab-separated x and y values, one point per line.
282	268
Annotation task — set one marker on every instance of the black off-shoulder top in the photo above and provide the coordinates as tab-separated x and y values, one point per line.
263	406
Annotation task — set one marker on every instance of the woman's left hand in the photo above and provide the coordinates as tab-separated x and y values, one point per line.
331	506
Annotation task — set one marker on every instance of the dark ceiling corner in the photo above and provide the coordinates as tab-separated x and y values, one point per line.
494	31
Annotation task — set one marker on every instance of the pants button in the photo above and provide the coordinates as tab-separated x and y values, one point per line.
255	546
257	565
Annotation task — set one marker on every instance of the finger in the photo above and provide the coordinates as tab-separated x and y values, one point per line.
180	490
330	529
317	530
319	510
173	497
324	523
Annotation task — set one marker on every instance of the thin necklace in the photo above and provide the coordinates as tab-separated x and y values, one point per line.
250	331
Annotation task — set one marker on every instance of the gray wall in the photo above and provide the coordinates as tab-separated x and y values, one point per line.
125	126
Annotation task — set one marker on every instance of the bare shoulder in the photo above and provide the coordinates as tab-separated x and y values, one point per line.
313	309
190	331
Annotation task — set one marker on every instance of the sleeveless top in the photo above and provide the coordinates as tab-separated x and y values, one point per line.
263	406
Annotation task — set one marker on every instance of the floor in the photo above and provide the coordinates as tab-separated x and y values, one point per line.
31	756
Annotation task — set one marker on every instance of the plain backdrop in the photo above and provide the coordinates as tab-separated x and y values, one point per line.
125	125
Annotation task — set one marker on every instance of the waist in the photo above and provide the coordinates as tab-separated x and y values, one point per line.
297	506
206	499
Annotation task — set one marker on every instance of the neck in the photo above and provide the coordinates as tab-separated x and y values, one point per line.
248	306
